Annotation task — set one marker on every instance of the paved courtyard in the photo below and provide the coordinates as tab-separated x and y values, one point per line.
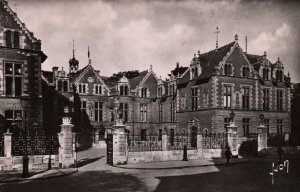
95	175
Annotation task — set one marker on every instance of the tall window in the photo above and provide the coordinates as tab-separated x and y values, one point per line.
13	116
267	124
83	110
279	127
144	92
227	96
226	122
279	96
13	79
98	111
246	72
194	99
82	88
266	74
159	91
65	85
143	113
143	134
279	75
227	69
173	111
245	98
124	111
266	99
160	112
246	126
98	89
12	39
123	90
171	89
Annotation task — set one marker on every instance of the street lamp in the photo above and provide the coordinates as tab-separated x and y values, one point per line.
25	173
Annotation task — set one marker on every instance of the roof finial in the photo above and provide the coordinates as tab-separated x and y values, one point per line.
236	37
73	49
217	36
90	61
246	43
151	67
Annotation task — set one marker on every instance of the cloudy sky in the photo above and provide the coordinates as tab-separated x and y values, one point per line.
127	35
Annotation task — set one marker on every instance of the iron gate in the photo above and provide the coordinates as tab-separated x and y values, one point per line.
109	149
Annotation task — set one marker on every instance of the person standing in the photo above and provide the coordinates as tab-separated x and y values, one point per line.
228	155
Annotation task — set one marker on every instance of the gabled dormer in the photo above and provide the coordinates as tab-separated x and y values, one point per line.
265	69
278	71
172	85
123	86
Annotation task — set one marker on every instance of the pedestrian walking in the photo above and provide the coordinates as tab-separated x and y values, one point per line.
228	155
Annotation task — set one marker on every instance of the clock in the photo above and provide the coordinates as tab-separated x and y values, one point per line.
90	79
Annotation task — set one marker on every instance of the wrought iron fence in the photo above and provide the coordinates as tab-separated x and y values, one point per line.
1	145
35	145
275	140
138	143
214	141
178	141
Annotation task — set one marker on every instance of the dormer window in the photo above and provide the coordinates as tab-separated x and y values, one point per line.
12	39
227	69
266	74
144	92
124	90
172	89
279	76
246	72
159	91
62	85
98	89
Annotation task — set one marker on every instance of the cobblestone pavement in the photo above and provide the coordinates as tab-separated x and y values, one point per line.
95	175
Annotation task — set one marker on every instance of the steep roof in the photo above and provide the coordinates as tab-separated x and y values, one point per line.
134	82
48	75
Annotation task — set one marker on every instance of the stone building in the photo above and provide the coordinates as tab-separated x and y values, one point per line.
20	75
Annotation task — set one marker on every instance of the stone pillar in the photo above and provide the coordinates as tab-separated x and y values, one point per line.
199	141
7	144
120	151
67	144
261	138
164	141
232	138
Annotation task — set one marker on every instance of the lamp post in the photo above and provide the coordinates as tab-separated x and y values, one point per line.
25	173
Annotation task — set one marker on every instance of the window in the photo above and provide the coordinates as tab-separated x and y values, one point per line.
98	89
14	116
266	74
279	96
123	90
266	99
98	111
171	89
194	99
205	98
12	39
279	127
66	86
143	113
173	111
226	122
82	88
143	134
245	98
124	111
159	134
246	126
159	91
83	110
13	79
183	101
246	72
160	112
267	124
227	69
227	96
279	76
144	92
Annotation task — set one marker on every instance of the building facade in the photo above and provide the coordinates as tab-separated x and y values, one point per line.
197	98
20	75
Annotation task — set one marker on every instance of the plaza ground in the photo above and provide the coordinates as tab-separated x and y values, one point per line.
94	175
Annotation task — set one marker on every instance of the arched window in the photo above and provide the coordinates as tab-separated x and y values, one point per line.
8	39
126	90
16	39
121	90
227	69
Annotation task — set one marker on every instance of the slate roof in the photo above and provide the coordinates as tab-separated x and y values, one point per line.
48	75
134	82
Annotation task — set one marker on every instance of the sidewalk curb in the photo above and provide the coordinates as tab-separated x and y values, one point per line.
43	178
181	167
